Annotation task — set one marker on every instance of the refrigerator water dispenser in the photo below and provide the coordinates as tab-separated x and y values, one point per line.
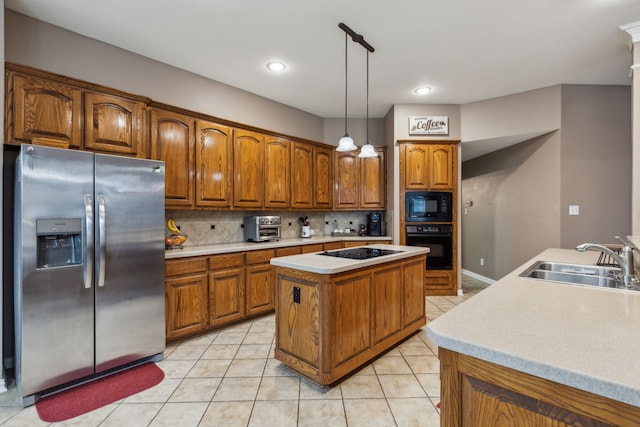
59	242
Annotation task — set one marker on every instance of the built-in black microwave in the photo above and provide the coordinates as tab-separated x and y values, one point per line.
428	206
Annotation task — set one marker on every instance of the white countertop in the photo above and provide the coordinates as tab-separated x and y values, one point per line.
580	336
224	248
322	264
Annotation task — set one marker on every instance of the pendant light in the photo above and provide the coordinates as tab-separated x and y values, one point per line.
367	149
346	142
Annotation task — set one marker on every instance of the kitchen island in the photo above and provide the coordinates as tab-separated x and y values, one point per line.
533	352
334	314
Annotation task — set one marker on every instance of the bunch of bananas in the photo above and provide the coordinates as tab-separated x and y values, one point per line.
175	237
171	225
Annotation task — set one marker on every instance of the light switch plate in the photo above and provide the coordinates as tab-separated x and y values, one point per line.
574	210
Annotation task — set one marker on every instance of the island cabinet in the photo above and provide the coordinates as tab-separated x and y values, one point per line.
248	168
477	393
328	325
172	141
186	300
359	183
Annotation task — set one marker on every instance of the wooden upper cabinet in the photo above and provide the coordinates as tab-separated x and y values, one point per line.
429	166
301	175
277	182
172	141
213	164
346	193
360	183
114	125
322	177
416	166
42	111
443	161
373	181
248	168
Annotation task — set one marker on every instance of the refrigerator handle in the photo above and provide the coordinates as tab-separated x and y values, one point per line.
103	240
88	242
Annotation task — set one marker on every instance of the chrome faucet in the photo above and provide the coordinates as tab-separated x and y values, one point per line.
625	258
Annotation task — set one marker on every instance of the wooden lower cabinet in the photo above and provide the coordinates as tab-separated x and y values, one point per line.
226	296
260	291
186	298
476	393
440	282
327	326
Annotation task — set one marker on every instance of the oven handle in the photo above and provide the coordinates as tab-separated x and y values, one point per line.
447	234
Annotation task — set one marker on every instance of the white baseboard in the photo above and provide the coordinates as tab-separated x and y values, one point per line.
478	277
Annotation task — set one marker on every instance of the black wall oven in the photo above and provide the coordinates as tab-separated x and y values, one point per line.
438	238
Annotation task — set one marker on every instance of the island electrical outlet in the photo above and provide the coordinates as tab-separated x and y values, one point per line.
296	295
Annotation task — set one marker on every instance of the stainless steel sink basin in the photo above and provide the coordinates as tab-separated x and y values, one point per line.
578	274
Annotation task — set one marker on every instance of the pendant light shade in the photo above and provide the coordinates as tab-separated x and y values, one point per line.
367	149
346	144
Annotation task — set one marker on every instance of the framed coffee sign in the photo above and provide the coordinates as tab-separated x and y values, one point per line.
428	125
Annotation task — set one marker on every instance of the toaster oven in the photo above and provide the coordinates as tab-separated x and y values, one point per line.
261	228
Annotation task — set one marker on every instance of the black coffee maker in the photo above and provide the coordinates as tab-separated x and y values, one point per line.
376	226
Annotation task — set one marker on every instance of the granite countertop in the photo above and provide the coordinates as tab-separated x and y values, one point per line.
321	264
584	337
223	248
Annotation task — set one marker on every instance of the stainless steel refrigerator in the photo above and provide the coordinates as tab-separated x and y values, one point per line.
89	266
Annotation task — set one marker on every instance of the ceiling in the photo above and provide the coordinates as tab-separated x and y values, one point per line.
465	50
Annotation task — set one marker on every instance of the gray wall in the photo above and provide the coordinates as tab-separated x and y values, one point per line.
521	194
40	45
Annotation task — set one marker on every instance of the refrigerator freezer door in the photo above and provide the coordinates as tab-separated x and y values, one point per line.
129	206
53	309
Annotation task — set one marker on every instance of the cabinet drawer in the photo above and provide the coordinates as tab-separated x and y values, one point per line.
218	262
291	250
332	245
185	266
317	247
259	257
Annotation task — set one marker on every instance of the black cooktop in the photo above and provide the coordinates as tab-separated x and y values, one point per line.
359	253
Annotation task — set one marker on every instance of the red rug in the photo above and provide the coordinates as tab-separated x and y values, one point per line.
93	395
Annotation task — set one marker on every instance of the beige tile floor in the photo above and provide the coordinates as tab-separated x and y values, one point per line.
229	378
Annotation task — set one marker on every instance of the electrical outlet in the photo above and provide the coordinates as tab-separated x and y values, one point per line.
574	210
296	295
213	226
481	261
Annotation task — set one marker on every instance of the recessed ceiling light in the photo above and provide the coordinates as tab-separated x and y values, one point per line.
276	66
422	90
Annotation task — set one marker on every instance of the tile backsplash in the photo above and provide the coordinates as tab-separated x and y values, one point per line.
214	227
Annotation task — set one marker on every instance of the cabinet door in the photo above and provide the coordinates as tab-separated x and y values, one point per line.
260	288
413	292
387	303
373	181
226	295
346	194
248	168
302	175
213	164
43	110
172	141
442	165
416	164
186	305
114	125
322	178
277	181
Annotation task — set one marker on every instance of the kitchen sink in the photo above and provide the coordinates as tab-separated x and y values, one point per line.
578	274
